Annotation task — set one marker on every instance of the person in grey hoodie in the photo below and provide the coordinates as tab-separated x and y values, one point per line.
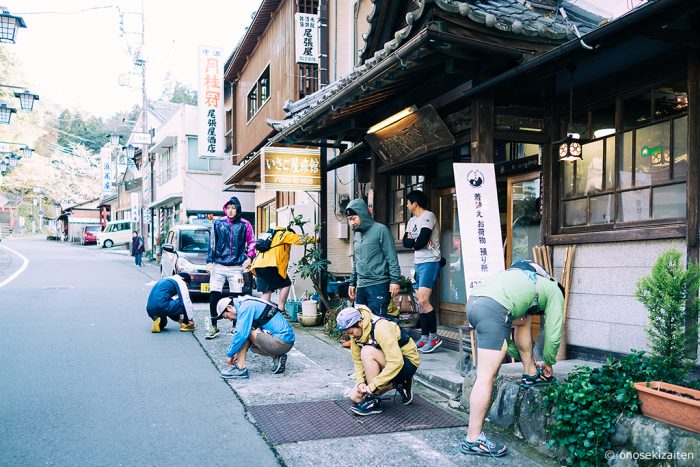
375	266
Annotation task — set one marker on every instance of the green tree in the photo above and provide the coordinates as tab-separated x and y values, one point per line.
183	94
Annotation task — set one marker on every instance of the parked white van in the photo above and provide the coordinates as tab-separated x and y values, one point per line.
115	233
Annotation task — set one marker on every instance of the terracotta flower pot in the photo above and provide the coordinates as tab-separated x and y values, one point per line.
670	408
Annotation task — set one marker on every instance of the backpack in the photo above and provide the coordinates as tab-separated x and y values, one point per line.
268	313
264	241
403	339
533	270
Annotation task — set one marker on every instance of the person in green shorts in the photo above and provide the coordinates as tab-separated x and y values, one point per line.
506	299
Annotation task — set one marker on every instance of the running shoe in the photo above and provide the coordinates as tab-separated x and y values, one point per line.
279	364
482	446
156	325
234	373
528	381
184	327
405	390
213	333
431	345
369	406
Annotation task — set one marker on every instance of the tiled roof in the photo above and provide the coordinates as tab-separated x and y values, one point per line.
537	20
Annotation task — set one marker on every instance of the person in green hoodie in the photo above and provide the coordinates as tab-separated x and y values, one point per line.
375	266
506	299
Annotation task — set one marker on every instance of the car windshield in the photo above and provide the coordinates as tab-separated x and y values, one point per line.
193	241
93	228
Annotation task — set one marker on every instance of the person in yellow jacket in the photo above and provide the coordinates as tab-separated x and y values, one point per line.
270	267
385	358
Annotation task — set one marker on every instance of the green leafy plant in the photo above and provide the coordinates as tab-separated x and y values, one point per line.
329	322
670	294
312	265
583	410
405	284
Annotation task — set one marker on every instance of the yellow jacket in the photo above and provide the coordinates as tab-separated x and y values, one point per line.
387	334
278	254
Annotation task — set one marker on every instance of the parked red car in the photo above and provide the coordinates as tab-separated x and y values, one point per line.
90	234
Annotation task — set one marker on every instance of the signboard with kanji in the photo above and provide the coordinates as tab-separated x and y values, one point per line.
479	222
290	169
306	38
211	102
106	170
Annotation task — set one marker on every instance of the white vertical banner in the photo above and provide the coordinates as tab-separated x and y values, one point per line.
479	222
135	208
106	167
306	45
210	102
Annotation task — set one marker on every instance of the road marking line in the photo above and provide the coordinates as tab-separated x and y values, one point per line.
19	271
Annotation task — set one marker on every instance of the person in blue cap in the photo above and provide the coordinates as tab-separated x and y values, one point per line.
162	304
385	358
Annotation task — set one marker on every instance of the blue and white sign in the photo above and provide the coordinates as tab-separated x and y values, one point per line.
479	222
107	170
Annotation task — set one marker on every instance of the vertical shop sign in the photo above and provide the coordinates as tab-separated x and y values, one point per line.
210	102
306	38
106	170
479	222
135	208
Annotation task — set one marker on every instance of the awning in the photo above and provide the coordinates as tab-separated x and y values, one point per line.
351	156
248	172
166	142
171	199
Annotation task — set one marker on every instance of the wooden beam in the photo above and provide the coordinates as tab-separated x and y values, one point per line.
482	130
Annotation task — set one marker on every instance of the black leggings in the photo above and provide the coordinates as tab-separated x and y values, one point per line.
214	298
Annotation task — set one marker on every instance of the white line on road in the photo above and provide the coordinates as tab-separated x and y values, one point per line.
17	272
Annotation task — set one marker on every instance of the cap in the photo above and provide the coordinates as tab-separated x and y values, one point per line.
347	318
185	277
350	212
221	306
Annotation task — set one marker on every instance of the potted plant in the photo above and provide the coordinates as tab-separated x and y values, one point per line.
312	265
406	303
670	294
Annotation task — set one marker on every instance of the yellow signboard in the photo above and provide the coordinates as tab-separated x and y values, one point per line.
290	169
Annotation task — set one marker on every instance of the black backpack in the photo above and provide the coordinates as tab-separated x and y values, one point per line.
268	313
403	339
264	241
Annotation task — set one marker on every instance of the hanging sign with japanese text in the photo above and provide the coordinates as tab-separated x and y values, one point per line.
306	38
412	136
479	222
210	103
290	169
106	169
135	208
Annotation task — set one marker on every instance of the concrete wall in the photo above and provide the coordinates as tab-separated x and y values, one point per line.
603	311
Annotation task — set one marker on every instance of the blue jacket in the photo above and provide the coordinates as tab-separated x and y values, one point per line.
246	312
231	241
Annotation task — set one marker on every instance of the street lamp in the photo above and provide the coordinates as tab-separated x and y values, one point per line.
13	159
6	113
27	152
26	99
114	139
130	151
8	26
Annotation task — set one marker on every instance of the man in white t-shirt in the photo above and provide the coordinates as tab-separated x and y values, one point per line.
423	236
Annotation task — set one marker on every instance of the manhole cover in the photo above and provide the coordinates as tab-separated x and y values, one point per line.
304	421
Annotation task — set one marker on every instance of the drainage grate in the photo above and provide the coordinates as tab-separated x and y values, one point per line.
304	421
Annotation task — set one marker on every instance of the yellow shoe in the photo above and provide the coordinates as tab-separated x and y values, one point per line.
187	326
156	325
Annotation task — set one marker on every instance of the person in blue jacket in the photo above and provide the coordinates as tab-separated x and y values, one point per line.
259	326
162	304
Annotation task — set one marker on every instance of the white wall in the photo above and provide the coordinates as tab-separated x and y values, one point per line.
603	311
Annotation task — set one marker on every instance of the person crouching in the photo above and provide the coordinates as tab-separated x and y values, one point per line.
385	358
258	325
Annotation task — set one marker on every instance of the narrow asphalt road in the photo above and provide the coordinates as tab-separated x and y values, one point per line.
84	382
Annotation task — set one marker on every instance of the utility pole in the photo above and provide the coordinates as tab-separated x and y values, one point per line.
145	129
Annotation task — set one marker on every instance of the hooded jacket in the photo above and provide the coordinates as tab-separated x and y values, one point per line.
280	249
515	291
231	241
387	334
374	254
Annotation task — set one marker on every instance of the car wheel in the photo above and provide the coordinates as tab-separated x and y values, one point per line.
108	244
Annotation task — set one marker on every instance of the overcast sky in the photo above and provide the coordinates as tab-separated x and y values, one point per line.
73	51
75	58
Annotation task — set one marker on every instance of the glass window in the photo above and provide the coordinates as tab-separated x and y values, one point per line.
194	162
626	165
653	154
670	101
400	186
193	241
669	202
602	209
680	148
634	206
259	93
589	177
603	122
609	163
575	212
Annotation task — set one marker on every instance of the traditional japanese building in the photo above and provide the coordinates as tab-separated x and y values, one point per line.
504	82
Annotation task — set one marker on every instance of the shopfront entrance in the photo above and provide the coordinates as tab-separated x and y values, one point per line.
452	289
523	214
